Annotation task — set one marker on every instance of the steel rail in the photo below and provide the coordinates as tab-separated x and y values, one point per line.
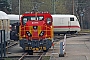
41	56
11	45
23	56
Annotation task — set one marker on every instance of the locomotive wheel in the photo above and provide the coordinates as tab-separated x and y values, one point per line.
61	55
30	52
45	50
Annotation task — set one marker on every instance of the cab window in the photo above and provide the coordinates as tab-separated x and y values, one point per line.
40	18
71	19
32	18
24	20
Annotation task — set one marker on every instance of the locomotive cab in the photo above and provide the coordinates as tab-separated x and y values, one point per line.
36	31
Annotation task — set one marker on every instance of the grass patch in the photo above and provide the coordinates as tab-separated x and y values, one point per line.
85	31
7	59
45	57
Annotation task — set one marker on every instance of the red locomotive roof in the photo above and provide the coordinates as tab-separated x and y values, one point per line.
34	13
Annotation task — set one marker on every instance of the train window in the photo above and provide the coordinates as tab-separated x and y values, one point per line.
24	20
40	18
13	21
37	18
71	19
33	18
48	20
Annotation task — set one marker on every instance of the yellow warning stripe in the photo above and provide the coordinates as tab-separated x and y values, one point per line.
31	29
39	29
20	33
35	49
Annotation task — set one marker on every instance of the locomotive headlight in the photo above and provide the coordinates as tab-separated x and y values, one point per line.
48	20
28	33
42	33
35	27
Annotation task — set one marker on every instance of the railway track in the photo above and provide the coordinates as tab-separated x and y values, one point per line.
11	44
39	55
22	57
25	56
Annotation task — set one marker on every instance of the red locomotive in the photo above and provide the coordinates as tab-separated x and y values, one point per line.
36	31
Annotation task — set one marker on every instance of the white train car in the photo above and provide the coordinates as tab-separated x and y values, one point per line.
13	18
62	23
65	24
4	25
